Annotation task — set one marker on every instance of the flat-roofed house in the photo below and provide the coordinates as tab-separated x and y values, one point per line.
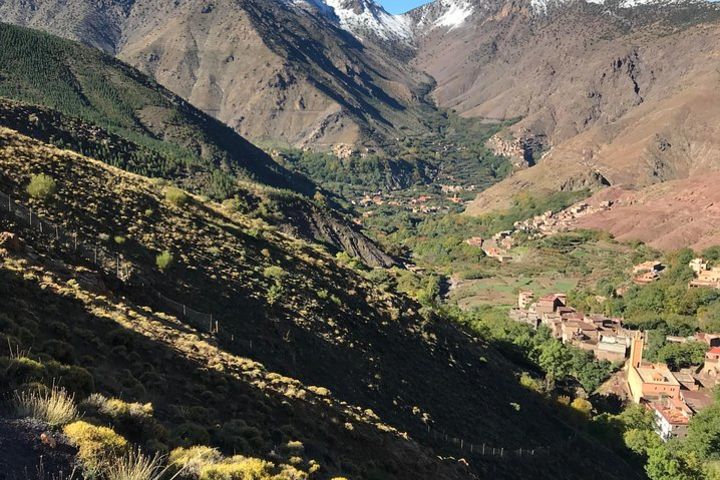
707	278
649	381
525	298
671	418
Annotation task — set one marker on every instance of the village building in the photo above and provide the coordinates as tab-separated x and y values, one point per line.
698	265
647	272
711	339
673	397
492	250
550	303
475	242
649	381
696	400
707	278
650	266
671	418
525	298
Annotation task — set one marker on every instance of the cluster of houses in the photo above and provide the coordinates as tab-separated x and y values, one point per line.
602	336
496	247
551	222
705	276
673	397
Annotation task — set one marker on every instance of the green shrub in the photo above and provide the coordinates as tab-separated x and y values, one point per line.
164	261
18	370
42	187
97	446
53	406
192	460
238	468
130	418
274	272
175	196
275	293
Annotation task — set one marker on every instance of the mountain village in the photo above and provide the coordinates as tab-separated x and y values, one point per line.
674	397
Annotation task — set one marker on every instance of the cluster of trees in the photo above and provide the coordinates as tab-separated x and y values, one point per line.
695	457
560	363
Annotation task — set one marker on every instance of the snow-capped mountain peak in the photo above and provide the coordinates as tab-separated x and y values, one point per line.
365	18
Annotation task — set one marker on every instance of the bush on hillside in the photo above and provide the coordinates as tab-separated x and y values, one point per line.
191	460
42	187
176	197
274	272
130	418
164	260
238	468
97	446
53	406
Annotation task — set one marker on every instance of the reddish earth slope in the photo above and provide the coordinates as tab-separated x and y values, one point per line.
667	216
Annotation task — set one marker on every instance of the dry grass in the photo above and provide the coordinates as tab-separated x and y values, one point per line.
53	406
136	465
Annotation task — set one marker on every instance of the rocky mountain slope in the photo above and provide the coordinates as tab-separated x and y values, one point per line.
305	348
281	72
605	93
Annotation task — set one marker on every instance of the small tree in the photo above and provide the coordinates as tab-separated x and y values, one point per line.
164	260
42	187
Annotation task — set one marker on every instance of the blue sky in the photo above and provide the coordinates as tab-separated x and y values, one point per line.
400	6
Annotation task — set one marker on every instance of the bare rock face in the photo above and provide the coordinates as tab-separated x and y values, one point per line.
522	152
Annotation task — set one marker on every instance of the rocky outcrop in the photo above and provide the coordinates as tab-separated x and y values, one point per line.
523	152
309	221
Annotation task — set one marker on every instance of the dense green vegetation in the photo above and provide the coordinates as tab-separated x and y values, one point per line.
692	458
454	153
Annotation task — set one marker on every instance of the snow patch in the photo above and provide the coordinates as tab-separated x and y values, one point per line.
455	13
361	17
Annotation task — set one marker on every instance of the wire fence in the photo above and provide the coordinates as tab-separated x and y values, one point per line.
465	448
114	264
109	262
